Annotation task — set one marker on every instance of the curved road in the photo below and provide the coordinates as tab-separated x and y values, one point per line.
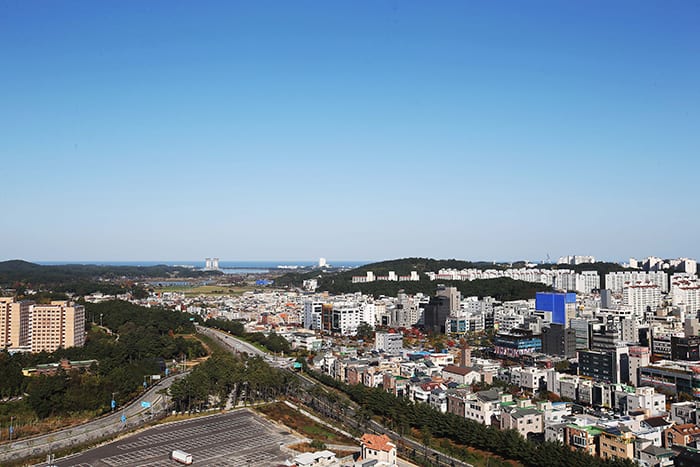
307	382
133	415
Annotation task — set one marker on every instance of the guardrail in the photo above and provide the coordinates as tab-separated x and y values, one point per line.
104	427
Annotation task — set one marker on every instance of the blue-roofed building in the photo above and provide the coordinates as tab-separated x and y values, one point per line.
562	306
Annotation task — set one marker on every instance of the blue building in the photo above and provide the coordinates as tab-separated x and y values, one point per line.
556	303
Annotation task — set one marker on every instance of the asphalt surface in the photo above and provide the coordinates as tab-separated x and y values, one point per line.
128	417
236	439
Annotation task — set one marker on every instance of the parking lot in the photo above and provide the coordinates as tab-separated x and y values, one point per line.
236	439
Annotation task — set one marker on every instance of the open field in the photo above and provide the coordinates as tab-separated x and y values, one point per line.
287	416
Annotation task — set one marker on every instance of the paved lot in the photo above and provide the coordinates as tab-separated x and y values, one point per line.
236	439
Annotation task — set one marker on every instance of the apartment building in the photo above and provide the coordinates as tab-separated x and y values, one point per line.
58	324
14	322
41	327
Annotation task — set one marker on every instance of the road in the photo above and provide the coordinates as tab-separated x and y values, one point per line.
130	416
242	346
348	417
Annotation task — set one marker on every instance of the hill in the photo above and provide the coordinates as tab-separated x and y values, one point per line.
341	282
83	278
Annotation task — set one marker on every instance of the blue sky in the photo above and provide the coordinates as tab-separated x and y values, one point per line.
350	130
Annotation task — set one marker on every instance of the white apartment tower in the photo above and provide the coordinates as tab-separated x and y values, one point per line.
641	296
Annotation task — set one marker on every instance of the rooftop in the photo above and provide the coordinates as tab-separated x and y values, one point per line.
377	442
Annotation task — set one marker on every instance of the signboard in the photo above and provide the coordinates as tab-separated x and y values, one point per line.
114	404
155	377
145	404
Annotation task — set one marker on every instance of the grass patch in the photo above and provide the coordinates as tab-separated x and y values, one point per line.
214	290
289	417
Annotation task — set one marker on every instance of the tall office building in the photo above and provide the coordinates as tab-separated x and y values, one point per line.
452	295
562	306
435	314
559	341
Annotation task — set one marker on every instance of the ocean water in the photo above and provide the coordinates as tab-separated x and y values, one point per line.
243	266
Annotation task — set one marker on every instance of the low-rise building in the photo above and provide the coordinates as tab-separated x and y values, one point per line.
380	448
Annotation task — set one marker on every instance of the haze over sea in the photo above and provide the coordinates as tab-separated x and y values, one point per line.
222	264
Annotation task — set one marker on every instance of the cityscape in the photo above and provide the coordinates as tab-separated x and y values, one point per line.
349	234
600	359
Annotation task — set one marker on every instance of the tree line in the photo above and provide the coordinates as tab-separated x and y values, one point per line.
403	414
227	379
141	341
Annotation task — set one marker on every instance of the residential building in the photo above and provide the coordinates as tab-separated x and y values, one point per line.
388	342
617	443
525	420
14	323
379	448
681	435
582	437
461	375
47	327
638	358
685	412
642	297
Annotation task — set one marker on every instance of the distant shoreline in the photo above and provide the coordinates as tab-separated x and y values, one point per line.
289	265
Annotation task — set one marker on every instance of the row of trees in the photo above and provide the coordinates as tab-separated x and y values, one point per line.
142	339
226	379
402	414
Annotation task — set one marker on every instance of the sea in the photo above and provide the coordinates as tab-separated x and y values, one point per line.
228	267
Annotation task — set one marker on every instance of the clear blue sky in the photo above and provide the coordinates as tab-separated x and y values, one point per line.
156	130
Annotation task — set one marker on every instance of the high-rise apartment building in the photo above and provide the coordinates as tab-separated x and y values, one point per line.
14	322
41	327
58	324
642	297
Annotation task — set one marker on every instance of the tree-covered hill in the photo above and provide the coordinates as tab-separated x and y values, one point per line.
341	282
86	278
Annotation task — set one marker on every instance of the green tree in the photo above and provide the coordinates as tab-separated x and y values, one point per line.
365	331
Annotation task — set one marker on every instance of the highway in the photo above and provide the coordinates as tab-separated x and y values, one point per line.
128	417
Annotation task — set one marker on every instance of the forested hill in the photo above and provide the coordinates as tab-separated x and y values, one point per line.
23	271
83	279
341	282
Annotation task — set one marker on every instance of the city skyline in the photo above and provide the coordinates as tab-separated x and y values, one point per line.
350	130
